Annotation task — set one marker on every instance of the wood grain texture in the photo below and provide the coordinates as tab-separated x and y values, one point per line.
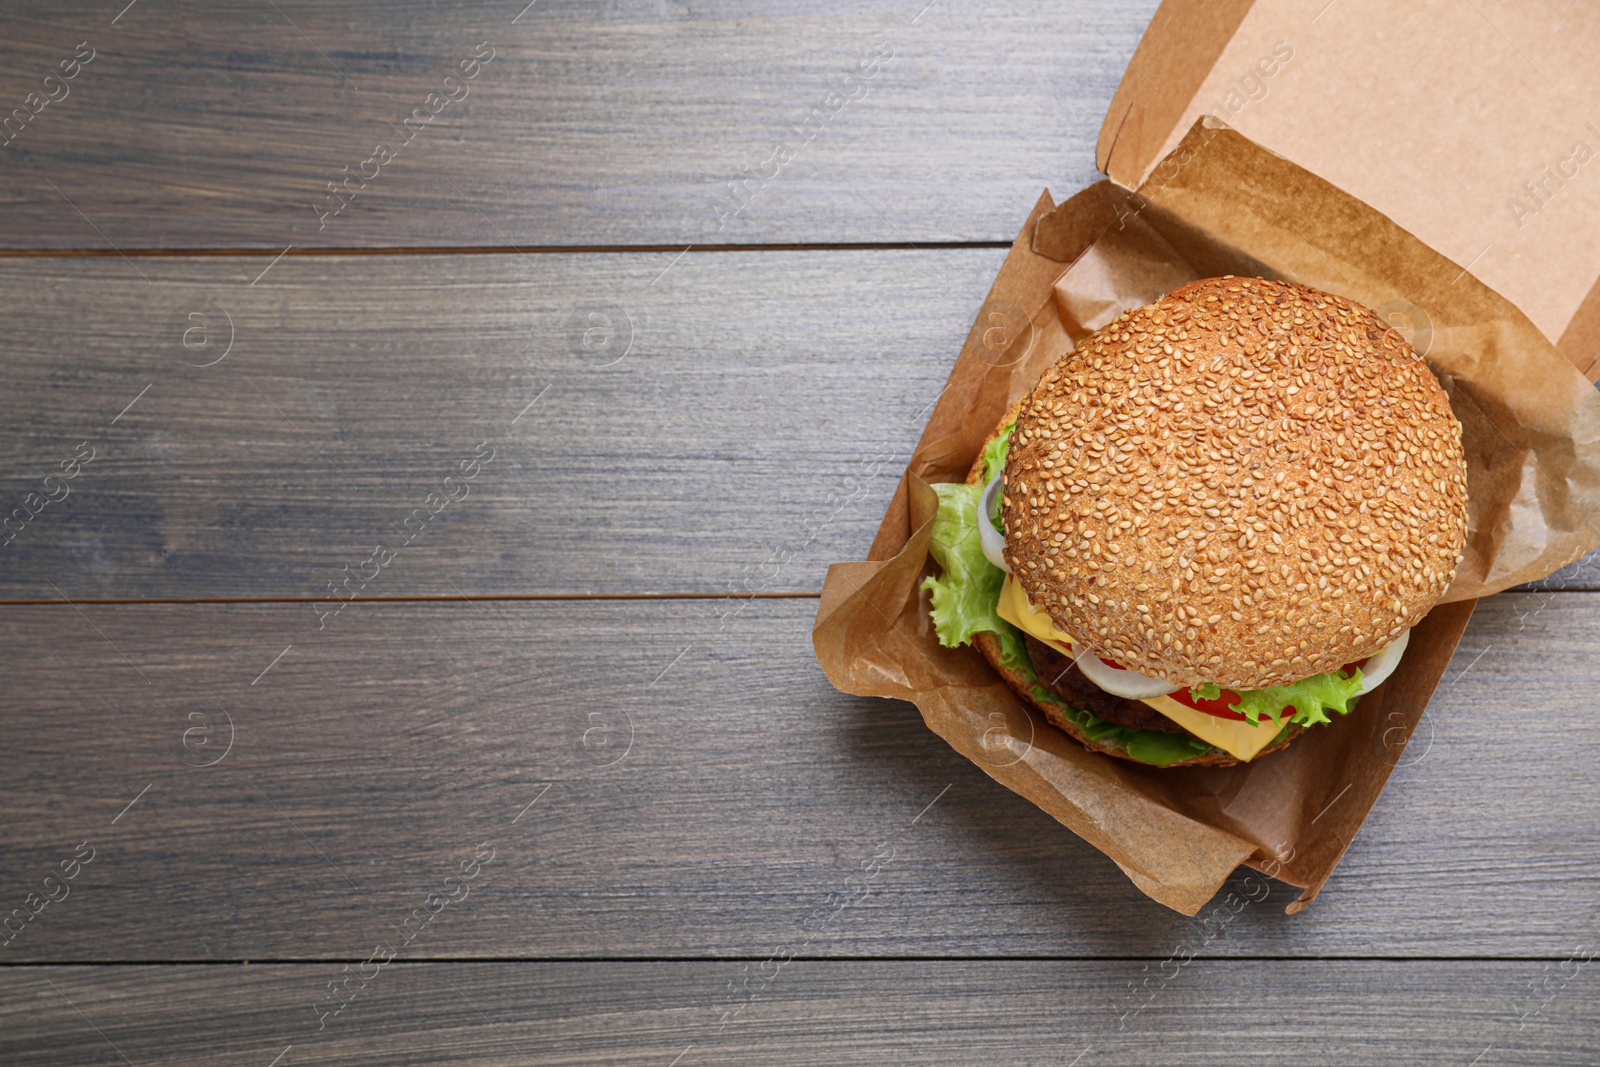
723	422
221	125
587	830
730	411
697	788
1582	575
1449	1013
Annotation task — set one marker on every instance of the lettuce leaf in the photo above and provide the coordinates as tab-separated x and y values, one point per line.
1311	698
968	590
965	596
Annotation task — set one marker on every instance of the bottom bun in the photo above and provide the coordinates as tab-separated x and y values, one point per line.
987	644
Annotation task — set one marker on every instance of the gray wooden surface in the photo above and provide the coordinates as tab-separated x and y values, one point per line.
1449	1013
220	125
582	677
697	788
740	403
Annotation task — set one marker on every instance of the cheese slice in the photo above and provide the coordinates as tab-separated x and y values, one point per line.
1239	739
1015	609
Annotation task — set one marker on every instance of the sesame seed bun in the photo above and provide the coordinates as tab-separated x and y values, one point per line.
1022	685
1247	482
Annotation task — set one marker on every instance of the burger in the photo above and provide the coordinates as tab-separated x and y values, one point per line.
1210	526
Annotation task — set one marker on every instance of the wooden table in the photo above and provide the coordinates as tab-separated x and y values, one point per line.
415	666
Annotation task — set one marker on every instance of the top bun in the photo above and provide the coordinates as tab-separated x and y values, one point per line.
1247	482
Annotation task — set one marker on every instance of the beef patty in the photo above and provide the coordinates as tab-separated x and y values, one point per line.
1059	674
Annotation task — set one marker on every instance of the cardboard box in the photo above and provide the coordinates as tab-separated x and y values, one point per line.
1189	197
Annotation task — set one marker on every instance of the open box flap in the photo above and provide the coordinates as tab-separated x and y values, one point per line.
1474	126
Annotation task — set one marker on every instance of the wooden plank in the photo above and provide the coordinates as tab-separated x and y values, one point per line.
1450	1012
1582	575
696	787
736	422
222	125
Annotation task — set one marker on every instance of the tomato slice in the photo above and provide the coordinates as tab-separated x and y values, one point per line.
1222	706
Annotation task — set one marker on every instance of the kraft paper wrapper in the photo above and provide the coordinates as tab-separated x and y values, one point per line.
1219	205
